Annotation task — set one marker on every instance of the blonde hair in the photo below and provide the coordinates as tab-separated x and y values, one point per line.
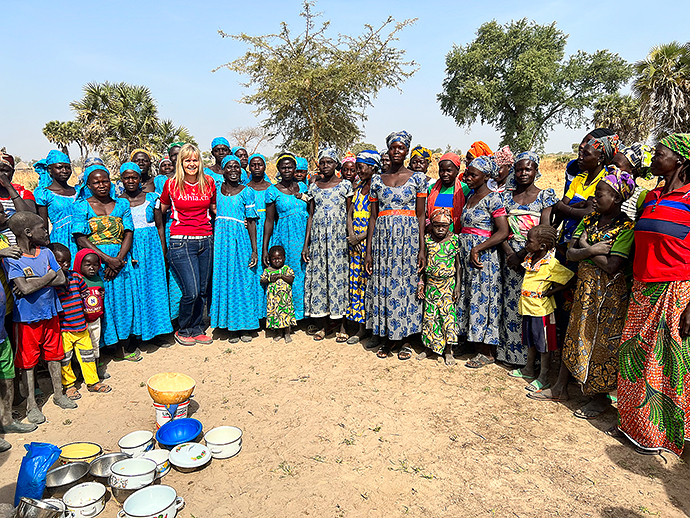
178	180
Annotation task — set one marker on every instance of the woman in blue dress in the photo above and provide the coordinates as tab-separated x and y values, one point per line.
234	305
55	198
259	184
484	228
287	202
165	170
395	254
148	252
220	148
105	225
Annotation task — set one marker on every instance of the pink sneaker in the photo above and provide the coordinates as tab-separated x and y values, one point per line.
203	339
184	340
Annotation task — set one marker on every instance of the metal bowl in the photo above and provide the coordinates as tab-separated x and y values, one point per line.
62	478
100	468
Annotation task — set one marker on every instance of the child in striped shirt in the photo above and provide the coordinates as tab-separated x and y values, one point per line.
74	329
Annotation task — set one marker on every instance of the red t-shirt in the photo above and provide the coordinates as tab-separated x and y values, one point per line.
190	211
662	237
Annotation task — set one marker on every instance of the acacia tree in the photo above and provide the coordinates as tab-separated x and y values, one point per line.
662	83
243	136
314	88
622	113
516	77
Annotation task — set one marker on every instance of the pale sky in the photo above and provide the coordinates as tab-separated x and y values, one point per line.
49	50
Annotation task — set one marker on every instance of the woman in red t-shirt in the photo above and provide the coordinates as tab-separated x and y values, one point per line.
190	195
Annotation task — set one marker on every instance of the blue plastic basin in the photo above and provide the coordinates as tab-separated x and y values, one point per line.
178	431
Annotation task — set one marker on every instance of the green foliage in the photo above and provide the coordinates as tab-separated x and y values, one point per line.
117	118
314	88
517	78
662	84
622	112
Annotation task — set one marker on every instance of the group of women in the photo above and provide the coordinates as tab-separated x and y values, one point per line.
355	234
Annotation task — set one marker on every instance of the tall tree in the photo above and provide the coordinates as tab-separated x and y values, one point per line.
517	78
245	136
58	133
622	113
117	118
314	88
662	83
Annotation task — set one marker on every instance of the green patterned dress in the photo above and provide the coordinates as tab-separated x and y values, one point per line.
440	325
280	312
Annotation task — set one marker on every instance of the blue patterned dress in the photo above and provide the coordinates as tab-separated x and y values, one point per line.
358	276
289	231
153	303
234	305
107	233
392	306
60	210
520	218
260	203
325	286
481	295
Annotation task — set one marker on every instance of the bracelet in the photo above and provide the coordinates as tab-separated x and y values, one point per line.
570	211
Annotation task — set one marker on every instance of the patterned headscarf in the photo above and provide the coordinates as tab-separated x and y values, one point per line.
678	143
92	160
6	158
302	164
453	158
511	183
175	144
399	136
236	149
504	156
370	157
623	183
139	150
229	158
57	157
130	166
288	156
349	157
166	158
441	215
640	157
607	145
480	148
486	165
331	153
601	132
220	141
383	152
422	152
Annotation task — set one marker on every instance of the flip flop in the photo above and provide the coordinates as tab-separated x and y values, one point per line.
99	387
383	352
73	394
319	335
518	374
539	396
581	415
353	340
341	338
537	386
479	361
615	432
405	353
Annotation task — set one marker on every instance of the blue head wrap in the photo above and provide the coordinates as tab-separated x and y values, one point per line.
302	164
263	158
511	184
486	165
331	153
57	157
92	160
258	155
220	141
236	149
399	136
83	191
130	166
370	157
527	155
229	158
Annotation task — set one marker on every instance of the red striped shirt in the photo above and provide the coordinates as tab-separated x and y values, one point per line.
72	318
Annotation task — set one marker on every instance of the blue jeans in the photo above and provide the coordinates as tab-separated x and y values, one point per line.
191	260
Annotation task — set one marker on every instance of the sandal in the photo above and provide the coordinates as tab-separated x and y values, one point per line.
517	373
341	338
319	335
312	329
537	386
72	393
99	387
479	361
615	432
383	352
133	356
405	353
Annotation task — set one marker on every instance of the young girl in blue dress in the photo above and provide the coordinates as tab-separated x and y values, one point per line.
259	185
148	252
234	305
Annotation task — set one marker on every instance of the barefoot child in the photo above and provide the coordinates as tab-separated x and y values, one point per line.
544	276
441	290
74	329
36	323
280	314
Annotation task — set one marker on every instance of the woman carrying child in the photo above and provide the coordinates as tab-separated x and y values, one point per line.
601	245
234	305
148	255
367	163
325	247
484	228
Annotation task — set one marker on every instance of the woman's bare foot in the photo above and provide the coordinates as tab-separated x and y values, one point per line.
288	338
450	360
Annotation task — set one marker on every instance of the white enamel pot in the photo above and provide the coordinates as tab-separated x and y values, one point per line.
152	502
85	500
136	442
132	473
224	441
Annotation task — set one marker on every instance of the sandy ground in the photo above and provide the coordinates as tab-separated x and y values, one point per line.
332	431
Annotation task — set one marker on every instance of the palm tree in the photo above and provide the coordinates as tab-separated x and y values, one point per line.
622	112
663	87
58	133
